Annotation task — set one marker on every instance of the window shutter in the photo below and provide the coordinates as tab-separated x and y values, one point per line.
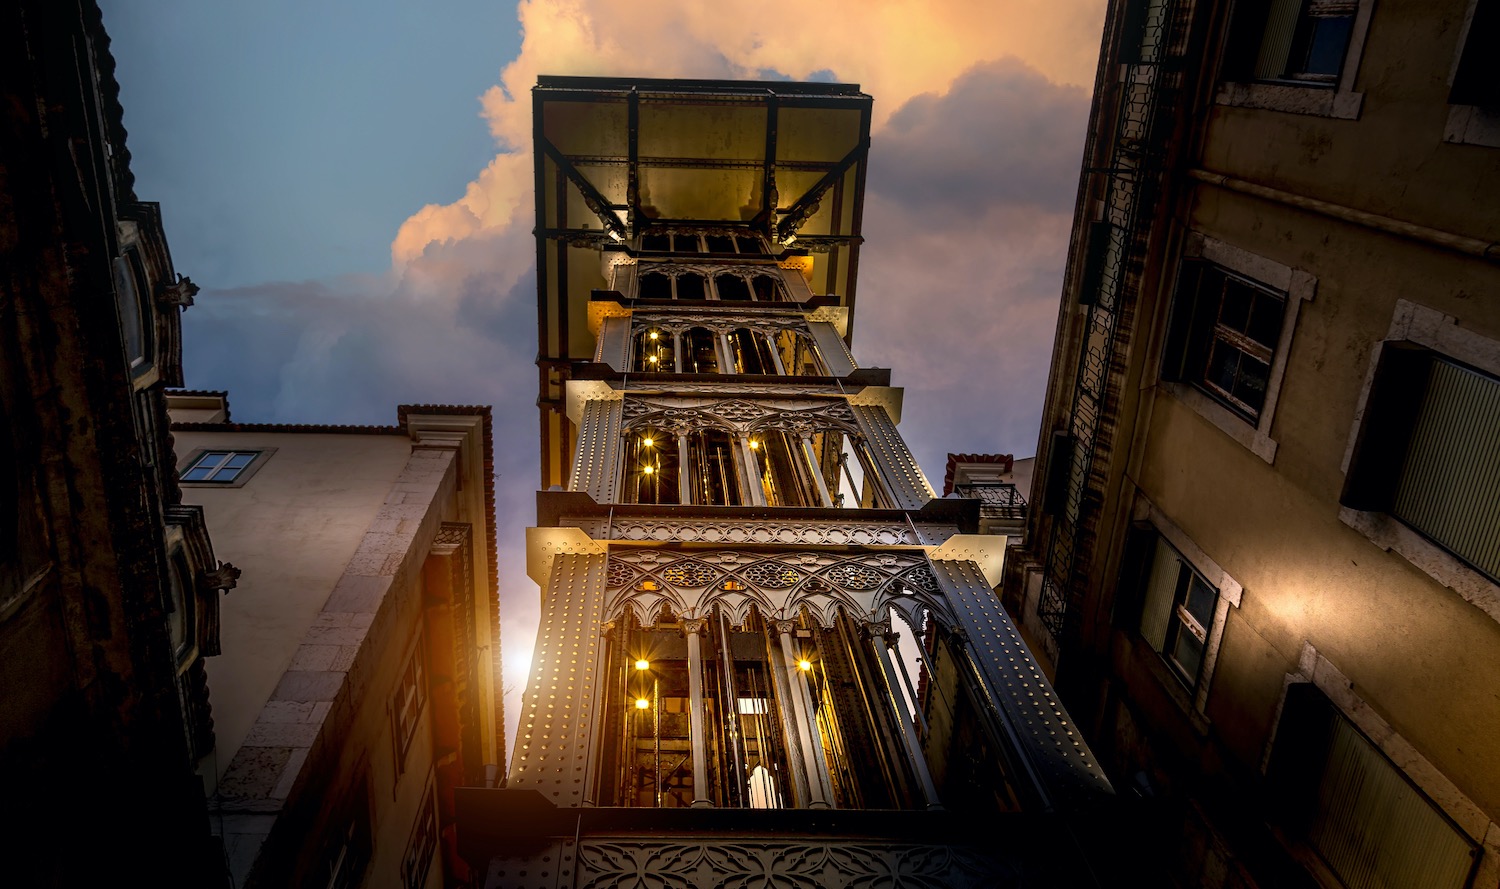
1449	483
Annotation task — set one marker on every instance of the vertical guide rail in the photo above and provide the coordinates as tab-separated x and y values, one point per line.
1146	92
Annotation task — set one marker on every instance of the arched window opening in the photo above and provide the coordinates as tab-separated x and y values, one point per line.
656	242
650	755
750	244
767	289
654	352
752	353
651	467
700	352
654	285
798	355
732	287
691	286
781	470
714	478
719	243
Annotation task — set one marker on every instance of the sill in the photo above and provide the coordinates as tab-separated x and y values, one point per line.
1317	100
1473	125
1171	683
1249	436
1392	535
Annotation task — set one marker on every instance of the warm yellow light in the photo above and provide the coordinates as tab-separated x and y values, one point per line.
646	469
643	665
754	445
804	665
652	359
648	441
654	334
642	703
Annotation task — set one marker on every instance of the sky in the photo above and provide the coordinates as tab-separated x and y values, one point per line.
349	183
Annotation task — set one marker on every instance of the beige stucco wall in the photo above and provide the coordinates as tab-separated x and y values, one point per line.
292	529
1424	659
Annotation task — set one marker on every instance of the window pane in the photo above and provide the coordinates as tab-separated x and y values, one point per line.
1265	320
1250	385
732	287
1223	366
656	242
198	473
1200	601
719	244
690	286
1187	653
655	286
1327	39
1234	312
239	460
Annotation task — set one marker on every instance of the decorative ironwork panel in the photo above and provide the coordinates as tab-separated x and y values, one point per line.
639	863
899	469
763	531
557	717
778	584
1147	93
595	459
1053	751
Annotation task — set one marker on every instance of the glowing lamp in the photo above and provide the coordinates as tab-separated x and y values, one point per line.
754	445
646	469
652	359
643	665
655	335
642	704
648	441
804	665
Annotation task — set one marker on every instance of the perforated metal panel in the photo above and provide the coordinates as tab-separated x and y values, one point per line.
1048	741
557	716
598	449
614	343
835	354
908	485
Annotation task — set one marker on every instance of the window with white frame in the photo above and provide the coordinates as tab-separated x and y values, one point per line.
1225	329
1358	812
1177	611
1425	452
1229	337
215	467
1177	600
407	703
421	846
1298	56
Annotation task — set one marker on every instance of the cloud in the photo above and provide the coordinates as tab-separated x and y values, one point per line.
974	164
895	50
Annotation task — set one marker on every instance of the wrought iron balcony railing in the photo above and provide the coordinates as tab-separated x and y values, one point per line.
997	500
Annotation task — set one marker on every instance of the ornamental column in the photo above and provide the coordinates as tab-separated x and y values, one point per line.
813	761
693	628
882	639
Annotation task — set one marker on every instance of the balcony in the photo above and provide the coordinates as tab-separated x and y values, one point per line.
998	501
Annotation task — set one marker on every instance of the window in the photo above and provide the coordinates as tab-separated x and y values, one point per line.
421	845
1297	56
654	351
406	705
651	474
221	467
1425	452
1359	813
135	315
1474	96
1177	612
1224	333
1476	78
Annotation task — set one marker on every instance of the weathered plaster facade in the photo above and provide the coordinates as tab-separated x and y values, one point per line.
1341	201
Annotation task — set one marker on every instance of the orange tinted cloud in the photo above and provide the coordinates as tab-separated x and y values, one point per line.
895	50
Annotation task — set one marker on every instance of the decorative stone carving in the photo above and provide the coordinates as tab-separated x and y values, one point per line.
178	294
225	577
